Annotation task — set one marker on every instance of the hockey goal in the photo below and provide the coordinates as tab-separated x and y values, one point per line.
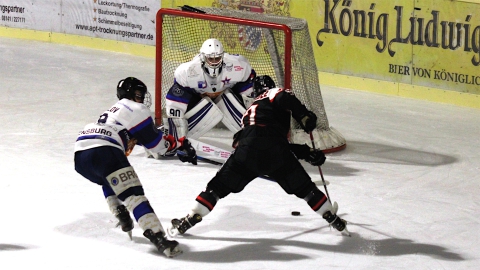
275	45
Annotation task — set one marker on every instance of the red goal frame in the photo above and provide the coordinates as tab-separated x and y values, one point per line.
176	12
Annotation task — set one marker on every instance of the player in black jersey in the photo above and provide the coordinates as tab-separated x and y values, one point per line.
262	148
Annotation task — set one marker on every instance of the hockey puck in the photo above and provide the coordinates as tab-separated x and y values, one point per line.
295	213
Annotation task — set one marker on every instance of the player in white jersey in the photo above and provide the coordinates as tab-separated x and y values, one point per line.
101	153
209	89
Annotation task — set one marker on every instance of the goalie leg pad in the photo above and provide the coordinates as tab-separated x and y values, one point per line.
125	182
177	127
203	117
232	110
318	201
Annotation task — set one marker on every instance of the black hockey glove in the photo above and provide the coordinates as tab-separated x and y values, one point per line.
236	138
308	122
189	153
315	157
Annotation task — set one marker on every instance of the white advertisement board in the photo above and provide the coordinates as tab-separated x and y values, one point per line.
122	20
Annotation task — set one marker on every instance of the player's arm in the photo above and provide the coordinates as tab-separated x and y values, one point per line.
287	100
157	142
245	82
245	87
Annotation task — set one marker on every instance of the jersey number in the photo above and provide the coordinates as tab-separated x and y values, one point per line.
250	115
103	118
174	112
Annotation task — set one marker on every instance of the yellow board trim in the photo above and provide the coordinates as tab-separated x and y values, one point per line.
337	80
400	90
82	41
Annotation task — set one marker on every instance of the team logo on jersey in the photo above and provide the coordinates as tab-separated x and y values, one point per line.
226	81
202	84
114	181
178	92
229	66
192	72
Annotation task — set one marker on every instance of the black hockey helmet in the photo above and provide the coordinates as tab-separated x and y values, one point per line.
126	88
262	84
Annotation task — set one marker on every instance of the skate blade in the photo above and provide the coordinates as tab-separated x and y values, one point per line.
172	252
345	232
130	235
334	208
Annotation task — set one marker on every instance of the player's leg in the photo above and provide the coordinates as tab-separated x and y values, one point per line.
91	164
121	181
231	178
293	178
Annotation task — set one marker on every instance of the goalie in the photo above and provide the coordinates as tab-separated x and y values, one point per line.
208	90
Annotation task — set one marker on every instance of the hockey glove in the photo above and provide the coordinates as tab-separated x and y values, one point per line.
190	155
130	145
315	157
308	122
172	145
236	138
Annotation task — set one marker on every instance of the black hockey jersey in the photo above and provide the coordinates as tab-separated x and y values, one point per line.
273	110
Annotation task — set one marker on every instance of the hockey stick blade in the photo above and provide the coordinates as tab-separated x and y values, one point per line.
172	231
335	208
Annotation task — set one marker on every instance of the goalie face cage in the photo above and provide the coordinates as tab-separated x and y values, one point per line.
274	45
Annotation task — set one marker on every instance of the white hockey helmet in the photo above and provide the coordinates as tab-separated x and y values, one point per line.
211	54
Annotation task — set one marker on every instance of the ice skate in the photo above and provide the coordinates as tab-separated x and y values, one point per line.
180	226
336	222
168	247
124	220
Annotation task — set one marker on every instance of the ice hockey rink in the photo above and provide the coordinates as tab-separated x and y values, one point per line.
408	181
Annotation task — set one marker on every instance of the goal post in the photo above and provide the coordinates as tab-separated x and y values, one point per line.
277	46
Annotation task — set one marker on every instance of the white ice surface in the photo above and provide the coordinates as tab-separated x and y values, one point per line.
408	181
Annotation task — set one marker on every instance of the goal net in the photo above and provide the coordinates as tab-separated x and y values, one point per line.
274	45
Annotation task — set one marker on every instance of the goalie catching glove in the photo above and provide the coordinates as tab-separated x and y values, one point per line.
187	148
308	122
310	155
184	145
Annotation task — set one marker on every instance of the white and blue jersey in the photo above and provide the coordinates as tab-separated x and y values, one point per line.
125	120
191	82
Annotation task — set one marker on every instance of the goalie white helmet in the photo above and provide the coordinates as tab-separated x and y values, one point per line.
211	54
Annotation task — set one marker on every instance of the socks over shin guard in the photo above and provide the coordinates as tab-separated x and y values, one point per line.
143	213
318	201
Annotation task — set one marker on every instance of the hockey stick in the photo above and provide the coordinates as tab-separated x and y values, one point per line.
334	205
214	162
320	169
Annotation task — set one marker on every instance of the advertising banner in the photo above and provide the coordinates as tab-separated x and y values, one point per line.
122	20
430	43
433	43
